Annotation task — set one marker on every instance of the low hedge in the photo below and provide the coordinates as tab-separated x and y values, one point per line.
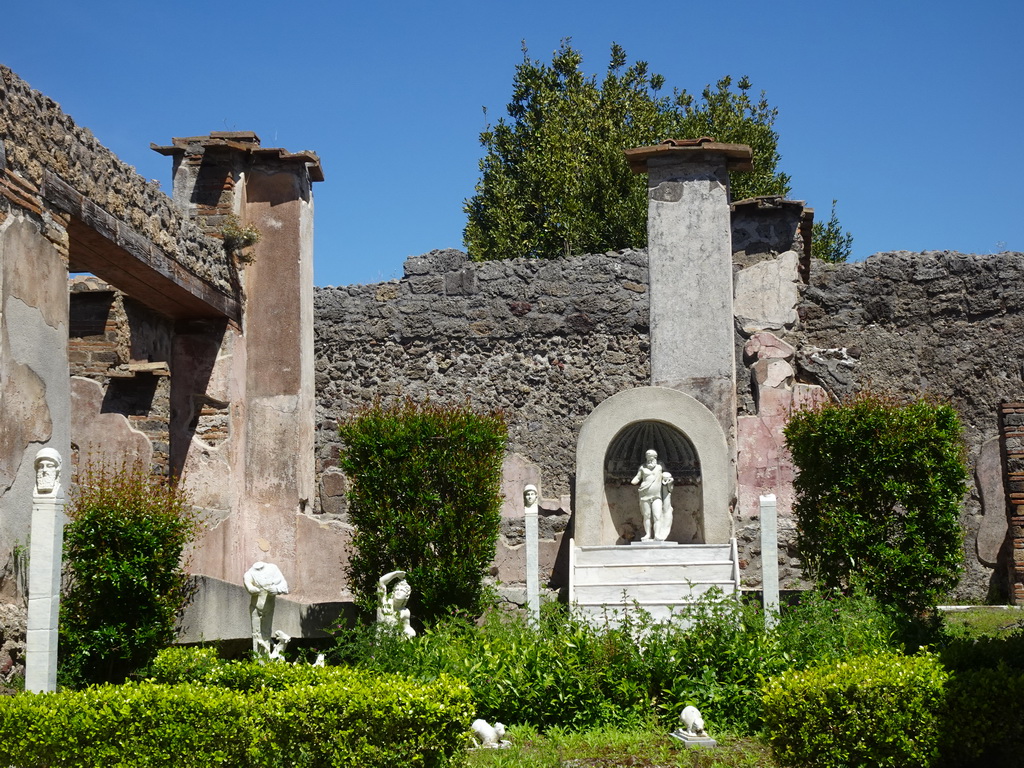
868	712
302	717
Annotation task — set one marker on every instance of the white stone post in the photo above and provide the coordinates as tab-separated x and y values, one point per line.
532	565
530	516
770	559
47	539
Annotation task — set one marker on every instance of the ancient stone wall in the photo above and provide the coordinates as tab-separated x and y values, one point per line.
36	136
124	348
940	323
546	341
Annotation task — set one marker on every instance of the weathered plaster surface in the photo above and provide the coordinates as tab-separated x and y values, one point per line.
33	366
691	309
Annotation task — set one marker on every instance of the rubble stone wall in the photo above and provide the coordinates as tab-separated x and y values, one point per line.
36	135
549	340
940	323
545	341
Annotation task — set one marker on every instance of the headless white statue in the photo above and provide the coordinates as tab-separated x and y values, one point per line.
391	610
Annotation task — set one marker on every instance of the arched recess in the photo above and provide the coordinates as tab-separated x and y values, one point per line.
594	524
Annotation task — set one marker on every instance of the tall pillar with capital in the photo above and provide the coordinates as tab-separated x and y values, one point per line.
691	282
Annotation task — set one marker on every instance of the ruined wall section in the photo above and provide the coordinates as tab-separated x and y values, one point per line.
36	135
545	340
944	323
124	349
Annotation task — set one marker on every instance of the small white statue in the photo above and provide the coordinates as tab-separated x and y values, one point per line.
649	478
264	581
281	640
391	610
486	736
320	660
47	465
663	521
693	723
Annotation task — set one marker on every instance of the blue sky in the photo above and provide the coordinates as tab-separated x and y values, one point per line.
908	113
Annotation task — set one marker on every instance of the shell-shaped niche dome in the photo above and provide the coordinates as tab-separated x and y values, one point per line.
675	452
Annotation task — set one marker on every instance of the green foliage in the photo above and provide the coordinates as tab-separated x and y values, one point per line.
878	496
126	583
978	731
566	673
608	747
829	242
828	626
873	711
424	499
307	718
554	180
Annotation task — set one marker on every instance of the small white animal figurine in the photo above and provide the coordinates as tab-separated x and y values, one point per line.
320	660
488	737
693	723
281	640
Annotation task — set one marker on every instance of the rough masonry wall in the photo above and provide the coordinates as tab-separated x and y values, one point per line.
546	341
941	323
549	340
35	135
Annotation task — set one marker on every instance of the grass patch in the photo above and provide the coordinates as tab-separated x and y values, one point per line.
610	748
984	621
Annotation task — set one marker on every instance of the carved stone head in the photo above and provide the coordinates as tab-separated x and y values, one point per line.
530	495
47	464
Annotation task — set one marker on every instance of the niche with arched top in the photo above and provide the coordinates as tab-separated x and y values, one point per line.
611	448
676	454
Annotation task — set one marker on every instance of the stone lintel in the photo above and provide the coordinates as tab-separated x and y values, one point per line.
114	251
738	157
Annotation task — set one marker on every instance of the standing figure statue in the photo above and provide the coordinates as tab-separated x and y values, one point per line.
264	581
391	610
649	478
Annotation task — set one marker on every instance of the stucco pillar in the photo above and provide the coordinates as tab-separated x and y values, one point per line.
260	479
690	251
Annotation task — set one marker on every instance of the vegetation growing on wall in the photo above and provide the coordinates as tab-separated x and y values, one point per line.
554	180
424	499
123	567
878	496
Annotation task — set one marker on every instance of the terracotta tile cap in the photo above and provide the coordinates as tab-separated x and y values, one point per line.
738	157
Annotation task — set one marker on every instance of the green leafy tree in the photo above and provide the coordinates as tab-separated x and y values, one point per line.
425	499
126	583
554	180
829	242
878	494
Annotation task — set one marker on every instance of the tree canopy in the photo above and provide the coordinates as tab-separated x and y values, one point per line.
554	180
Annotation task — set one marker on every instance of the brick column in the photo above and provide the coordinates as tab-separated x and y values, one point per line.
1011	423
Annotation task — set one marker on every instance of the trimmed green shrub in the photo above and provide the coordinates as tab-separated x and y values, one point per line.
979	724
868	712
126	583
878	497
308	718
425	499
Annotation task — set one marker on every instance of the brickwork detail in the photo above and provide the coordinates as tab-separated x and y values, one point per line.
1012	433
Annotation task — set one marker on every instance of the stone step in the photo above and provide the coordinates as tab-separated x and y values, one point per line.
644	554
629	573
646	594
